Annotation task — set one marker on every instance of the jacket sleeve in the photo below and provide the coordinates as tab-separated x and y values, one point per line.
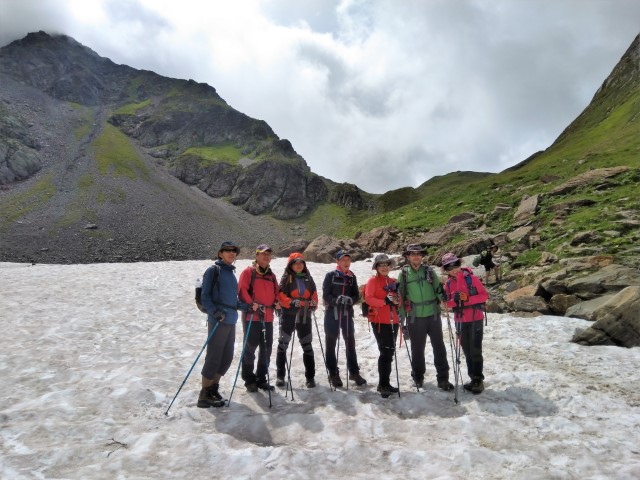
207	290
370	294
327	296
438	287
482	296
283	298
243	286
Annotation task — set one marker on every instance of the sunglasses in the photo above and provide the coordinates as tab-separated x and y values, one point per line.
230	250
384	264
448	268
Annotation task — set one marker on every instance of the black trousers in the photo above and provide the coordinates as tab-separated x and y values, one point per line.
219	350
386	335
332	328
419	329
471	342
302	325
260	338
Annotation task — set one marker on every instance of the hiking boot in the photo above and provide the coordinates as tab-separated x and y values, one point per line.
445	385
252	387
468	386
210	397
310	383
264	385
336	381
418	382
358	379
387	390
477	386
280	382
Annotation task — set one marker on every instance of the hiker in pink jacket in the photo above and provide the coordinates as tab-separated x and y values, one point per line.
466	296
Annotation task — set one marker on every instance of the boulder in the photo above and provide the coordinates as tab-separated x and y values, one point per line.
527	209
561	302
529	303
587	178
586	309
519	234
617	322
378	240
608	279
298	245
322	249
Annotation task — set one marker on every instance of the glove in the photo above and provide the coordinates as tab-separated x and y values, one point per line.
407	306
219	315
388	299
344	300
460	297
296	303
313	304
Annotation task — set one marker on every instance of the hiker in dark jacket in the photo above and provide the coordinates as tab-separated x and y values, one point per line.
422	292
298	298
340	292
486	260
220	298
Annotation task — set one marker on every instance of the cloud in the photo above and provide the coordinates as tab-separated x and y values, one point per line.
382	94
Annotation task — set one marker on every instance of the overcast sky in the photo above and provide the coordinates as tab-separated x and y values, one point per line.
380	93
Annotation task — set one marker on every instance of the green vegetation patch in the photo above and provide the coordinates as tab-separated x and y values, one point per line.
86	121
225	153
116	155
17	206
132	108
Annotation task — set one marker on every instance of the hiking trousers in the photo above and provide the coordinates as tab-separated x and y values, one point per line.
256	341
419	329
386	335
471	342
331	332
305	334
219	350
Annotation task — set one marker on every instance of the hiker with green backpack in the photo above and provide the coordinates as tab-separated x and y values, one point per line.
421	291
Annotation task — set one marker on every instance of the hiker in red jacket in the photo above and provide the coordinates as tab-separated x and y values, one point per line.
466	296
381	294
258	287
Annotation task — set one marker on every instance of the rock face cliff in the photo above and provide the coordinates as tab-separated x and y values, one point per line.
185	125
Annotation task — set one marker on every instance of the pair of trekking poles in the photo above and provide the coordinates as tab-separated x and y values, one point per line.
213	330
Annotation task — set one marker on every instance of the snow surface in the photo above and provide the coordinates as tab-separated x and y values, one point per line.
92	355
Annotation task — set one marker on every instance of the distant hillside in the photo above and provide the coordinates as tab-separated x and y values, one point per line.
605	134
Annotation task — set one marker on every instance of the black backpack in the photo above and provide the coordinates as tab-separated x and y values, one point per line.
216	275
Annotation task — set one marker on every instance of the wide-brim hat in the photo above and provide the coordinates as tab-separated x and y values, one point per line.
449	259
413	248
230	246
382	258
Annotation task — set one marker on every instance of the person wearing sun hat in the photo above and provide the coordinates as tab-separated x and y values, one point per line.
422	292
381	294
466	296
299	298
340	292
221	304
258	287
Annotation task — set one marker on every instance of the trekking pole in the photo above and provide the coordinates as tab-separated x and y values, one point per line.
338	348
194	364
324	359
346	342
244	345
288	364
406	344
395	355
266	356
454	359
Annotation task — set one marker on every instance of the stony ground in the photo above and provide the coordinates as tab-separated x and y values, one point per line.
116	219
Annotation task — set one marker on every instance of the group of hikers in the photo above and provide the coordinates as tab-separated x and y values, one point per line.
407	306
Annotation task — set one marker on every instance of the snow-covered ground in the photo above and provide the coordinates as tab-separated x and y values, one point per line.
91	356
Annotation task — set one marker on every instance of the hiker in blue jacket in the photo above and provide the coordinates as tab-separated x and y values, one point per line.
220	299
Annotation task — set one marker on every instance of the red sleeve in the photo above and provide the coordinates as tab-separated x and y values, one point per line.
370	290
482	296
244	283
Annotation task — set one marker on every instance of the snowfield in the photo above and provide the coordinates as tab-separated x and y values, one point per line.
91	356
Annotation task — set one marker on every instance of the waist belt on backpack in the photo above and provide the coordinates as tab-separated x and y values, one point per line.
412	317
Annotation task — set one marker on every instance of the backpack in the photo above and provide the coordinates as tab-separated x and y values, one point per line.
477	260
216	275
